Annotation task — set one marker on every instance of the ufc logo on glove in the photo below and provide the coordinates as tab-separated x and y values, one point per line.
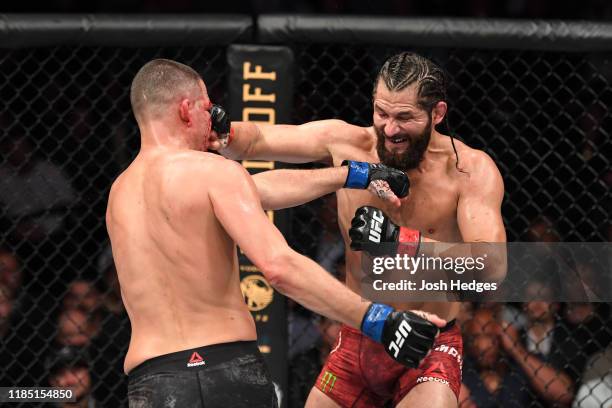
400	337
376	226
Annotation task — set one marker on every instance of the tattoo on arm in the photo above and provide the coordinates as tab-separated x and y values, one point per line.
381	189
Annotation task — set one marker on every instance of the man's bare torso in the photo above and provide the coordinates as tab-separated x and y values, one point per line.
431	207
177	266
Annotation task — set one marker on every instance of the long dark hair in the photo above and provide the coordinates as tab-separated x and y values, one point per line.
407	68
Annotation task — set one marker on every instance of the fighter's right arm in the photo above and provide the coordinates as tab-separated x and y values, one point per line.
313	141
236	205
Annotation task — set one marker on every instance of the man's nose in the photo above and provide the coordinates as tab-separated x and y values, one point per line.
391	128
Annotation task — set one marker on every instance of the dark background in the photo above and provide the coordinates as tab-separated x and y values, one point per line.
588	9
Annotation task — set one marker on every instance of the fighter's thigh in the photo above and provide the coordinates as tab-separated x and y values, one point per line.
429	394
317	399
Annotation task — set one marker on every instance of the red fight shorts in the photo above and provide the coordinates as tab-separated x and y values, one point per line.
359	373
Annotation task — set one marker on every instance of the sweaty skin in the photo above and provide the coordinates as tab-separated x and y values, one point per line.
177	266
171	220
174	218
446	204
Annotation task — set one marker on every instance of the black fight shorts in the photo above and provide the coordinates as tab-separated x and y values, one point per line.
218	376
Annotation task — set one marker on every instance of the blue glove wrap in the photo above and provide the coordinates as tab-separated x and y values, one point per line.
374	320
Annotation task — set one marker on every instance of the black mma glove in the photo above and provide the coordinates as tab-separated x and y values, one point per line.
361	174
407	337
221	124
373	232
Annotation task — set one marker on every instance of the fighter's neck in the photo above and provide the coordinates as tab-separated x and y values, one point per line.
438	150
438	143
158	134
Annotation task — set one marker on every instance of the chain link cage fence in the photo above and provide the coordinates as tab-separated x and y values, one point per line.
67	131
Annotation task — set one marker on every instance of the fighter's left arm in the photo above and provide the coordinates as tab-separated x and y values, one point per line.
479	215
479	218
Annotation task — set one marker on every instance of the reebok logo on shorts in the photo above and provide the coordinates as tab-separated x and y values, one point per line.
195	360
435	379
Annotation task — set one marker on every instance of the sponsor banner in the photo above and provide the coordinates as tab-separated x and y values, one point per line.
494	272
261	90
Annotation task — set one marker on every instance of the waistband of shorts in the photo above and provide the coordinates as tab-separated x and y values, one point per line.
447	327
195	358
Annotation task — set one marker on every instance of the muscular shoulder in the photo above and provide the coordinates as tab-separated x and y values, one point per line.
475	160
193	182
201	168
478	167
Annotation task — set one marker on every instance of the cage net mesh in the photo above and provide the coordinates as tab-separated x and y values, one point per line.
68	130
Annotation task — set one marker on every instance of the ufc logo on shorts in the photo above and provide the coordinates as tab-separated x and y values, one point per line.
400	337
376	226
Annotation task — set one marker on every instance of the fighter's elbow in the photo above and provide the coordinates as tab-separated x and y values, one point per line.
273	274
493	259
495	272
277	268
491	268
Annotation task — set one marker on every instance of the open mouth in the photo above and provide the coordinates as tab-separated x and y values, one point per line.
398	139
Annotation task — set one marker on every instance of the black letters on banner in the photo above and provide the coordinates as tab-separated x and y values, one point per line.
261	87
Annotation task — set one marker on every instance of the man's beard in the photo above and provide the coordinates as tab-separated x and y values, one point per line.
410	158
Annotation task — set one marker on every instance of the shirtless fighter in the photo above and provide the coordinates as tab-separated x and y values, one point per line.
174	217
455	196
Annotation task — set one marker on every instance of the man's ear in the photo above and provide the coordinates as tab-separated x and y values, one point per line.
184	111
438	112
